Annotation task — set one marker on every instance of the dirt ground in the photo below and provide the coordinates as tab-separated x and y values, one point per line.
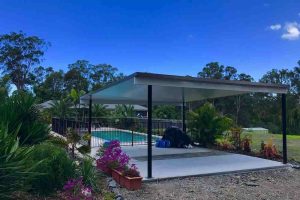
266	184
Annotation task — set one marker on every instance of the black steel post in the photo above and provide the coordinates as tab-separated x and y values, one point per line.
149	131
90	120
183	112
283	112
131	137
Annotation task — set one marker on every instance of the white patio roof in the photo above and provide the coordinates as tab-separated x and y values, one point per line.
169	89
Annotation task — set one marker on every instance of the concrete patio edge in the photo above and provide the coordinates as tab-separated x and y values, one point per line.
145	180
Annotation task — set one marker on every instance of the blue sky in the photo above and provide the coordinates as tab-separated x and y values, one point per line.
173	37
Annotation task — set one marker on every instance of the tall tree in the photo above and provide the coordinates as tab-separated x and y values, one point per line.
4	87
18	54
74	79
212	70
51	88
103	74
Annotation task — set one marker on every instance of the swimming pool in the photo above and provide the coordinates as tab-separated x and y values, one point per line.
125	137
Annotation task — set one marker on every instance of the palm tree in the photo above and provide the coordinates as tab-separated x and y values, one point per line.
75	98
61	108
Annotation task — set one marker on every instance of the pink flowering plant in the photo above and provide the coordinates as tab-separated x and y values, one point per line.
74	189
131	171
113	157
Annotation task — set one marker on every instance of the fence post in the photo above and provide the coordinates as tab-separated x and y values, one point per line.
90	120
131	137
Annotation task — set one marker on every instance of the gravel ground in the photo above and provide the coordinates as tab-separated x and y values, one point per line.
267	184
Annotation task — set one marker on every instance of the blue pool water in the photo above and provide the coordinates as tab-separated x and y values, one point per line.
122	136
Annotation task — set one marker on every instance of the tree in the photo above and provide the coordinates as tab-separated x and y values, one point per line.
212	70
124	111
99	110
52	88
4	87
61	108
166	112
74	79
75	98
18	54
205	124
103	74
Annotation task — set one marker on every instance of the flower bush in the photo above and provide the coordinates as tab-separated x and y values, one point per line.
74	189
131	171
269	150
224	144
113	157
246	143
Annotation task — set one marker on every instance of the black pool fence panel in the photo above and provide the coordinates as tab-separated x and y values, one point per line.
129	131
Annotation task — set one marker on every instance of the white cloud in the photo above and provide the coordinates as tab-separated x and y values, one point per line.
292	31
275	27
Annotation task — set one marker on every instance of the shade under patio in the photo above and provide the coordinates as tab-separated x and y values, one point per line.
148	89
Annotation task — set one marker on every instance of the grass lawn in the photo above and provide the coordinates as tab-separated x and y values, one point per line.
293	142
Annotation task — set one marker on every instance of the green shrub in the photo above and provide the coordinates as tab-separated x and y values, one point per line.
205	124
58	141
57	168
89	174
20	109
14	171
224	144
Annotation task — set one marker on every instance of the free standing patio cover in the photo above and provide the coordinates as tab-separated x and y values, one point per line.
148	89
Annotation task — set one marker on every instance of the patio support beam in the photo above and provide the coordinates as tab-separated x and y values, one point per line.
90	119
283	113
149	131
183	112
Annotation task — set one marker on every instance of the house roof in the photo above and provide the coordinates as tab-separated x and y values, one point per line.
169	89
48	104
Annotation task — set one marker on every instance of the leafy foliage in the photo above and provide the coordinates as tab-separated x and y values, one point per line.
18	53
20	108
99	110
56	168
14	168
61	108
73	138
166	112
89	174
205	124
224	144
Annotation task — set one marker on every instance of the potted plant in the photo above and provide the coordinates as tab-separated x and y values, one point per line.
113	158
130	178
116	174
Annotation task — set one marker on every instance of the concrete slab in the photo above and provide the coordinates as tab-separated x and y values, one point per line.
183	167
173	162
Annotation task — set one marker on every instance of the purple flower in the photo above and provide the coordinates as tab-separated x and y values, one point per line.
113	157
74	189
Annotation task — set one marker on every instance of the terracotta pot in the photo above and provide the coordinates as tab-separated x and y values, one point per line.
116	175
107	170
131	183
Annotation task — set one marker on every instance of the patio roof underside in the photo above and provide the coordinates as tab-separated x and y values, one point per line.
169	89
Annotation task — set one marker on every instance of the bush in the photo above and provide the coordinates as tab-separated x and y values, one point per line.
89	174
14	171
20	109
224	144
269	150
205	124
113	157
75	189
235	137
57	168
246	143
